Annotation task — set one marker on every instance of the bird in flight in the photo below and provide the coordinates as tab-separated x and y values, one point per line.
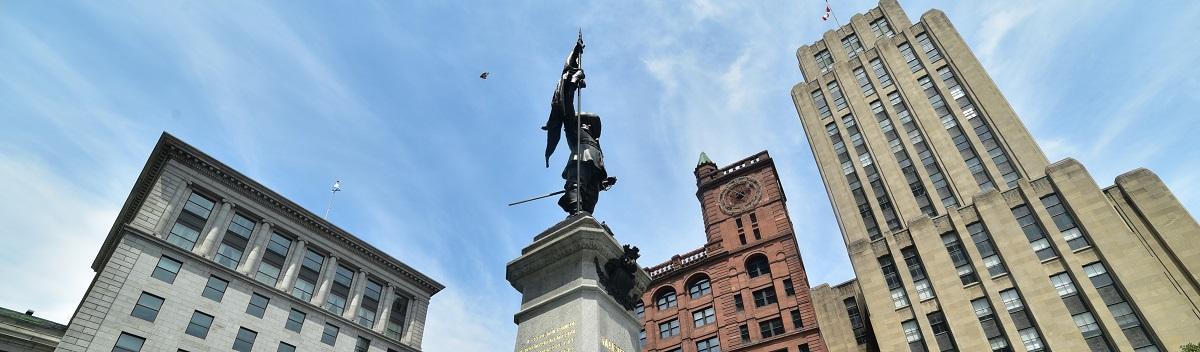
483	75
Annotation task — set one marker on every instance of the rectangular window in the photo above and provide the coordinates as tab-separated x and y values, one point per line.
186	230
824	61
853	45
892	278
864	83
882	28
835	92
330	334
856	321
1139	334
395	326
797	321
912	333
917	270
712	344
962	262
199	324
129	343
1030	336
744	332
788	288
737	302
941	332
372	294
215	288
822	105
931	51
910	57
166	269
991	327
306	279
1032	340
147	307
668	329
881	74
1065	222
285	347
295	321
983	242
764	296
771	327
1033	232
233	245
257	305
273	259
342	279
245	340
362	345
704	316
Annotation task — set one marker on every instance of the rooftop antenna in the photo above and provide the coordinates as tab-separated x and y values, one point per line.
337	186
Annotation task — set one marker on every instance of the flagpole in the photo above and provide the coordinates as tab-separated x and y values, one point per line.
579	135
337	186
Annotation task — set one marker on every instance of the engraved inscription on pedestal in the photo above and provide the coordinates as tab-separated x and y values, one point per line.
559	339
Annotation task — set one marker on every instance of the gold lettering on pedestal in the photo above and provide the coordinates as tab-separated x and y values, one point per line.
609	345
559	339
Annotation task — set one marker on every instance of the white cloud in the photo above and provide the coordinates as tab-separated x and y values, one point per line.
49	250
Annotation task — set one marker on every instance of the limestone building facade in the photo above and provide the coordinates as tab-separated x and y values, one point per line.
963	236
24	332
746	288
204	258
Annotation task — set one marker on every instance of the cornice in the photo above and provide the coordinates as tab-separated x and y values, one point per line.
171	148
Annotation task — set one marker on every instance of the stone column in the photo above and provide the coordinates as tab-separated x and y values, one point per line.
385	308
356	295
163	227
254	248
214	228
325	281
564	285
291	266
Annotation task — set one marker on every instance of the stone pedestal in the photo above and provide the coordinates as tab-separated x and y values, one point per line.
564	304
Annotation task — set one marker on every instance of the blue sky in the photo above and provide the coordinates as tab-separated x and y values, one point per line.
386	97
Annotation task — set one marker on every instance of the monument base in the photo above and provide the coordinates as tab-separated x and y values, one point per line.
564	304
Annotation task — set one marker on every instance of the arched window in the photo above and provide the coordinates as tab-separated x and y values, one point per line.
639	310
665	299
758	265
699	286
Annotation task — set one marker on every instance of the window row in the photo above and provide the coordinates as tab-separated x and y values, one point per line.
237	238
242	342
214	289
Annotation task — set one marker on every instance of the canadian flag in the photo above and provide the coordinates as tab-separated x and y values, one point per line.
828	11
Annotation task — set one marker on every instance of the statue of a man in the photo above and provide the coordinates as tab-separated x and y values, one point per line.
584	173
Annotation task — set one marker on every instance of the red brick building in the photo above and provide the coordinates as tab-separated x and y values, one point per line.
745	289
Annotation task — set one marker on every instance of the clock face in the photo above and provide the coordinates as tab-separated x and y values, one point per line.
740	195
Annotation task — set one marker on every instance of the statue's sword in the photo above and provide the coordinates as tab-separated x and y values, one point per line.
604	186
538	197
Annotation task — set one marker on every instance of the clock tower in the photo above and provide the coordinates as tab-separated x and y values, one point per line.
745	289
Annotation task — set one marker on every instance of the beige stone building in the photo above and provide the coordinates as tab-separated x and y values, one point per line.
963	236
203	258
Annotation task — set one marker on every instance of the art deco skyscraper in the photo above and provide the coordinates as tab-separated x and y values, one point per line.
963	236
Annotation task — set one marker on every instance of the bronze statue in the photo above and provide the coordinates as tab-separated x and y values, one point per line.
584	173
